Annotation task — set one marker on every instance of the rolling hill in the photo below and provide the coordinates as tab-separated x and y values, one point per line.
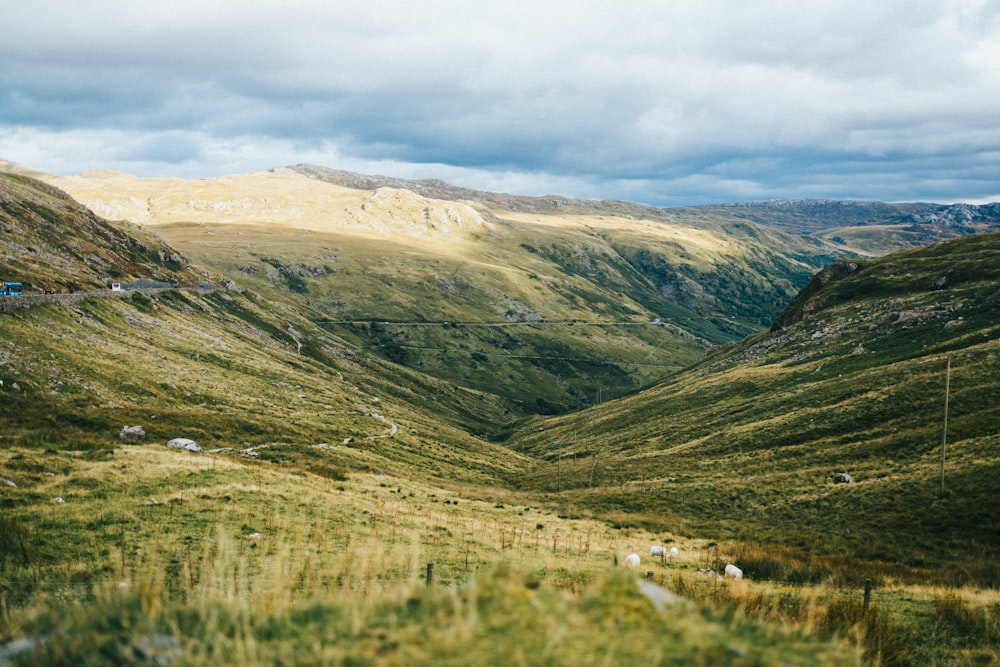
848	377
369	381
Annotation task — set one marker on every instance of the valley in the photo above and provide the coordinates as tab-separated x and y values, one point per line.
521	391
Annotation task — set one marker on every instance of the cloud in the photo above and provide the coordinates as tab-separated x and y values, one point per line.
659	102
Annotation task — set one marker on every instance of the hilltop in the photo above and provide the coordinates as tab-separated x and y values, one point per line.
866	227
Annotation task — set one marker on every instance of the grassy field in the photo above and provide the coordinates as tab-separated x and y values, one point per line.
165	556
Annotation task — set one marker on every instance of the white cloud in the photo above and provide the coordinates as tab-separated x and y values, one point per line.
655	101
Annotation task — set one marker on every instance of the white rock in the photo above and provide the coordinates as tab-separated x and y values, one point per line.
132	433
58	501
184	443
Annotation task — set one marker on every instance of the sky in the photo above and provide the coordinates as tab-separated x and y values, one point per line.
671	102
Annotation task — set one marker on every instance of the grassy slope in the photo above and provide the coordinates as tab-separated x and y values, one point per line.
745	444
153	557
394	256
227	371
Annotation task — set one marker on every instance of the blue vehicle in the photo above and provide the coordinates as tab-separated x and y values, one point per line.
11	289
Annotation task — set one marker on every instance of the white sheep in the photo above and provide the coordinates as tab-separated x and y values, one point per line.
658	551
733	571
632	560
674	552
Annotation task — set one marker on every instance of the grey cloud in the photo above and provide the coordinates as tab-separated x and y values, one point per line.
653	101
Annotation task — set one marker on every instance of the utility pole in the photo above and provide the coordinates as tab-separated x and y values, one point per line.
944	435
560	445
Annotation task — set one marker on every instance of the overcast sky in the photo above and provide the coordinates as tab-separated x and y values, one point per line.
670	102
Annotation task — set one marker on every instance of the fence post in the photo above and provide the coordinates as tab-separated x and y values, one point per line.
649	576
430	573
868	593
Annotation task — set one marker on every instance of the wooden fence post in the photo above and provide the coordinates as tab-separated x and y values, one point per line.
430	573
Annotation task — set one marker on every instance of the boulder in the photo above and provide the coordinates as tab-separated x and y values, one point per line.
132	434
842	478
184	443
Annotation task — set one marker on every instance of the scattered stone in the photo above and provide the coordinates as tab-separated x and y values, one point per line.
7	482
842	478
58	500
132	434
254	536
185	444
151	501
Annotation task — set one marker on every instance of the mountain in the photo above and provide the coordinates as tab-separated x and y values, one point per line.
853	377
547	305
337	474
873	228
848	377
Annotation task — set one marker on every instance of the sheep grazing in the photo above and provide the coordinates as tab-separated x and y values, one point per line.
632	560
733	571
663	552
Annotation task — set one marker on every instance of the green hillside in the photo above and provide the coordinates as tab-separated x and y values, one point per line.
852	378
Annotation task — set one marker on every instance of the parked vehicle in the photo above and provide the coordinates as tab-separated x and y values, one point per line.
11	289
